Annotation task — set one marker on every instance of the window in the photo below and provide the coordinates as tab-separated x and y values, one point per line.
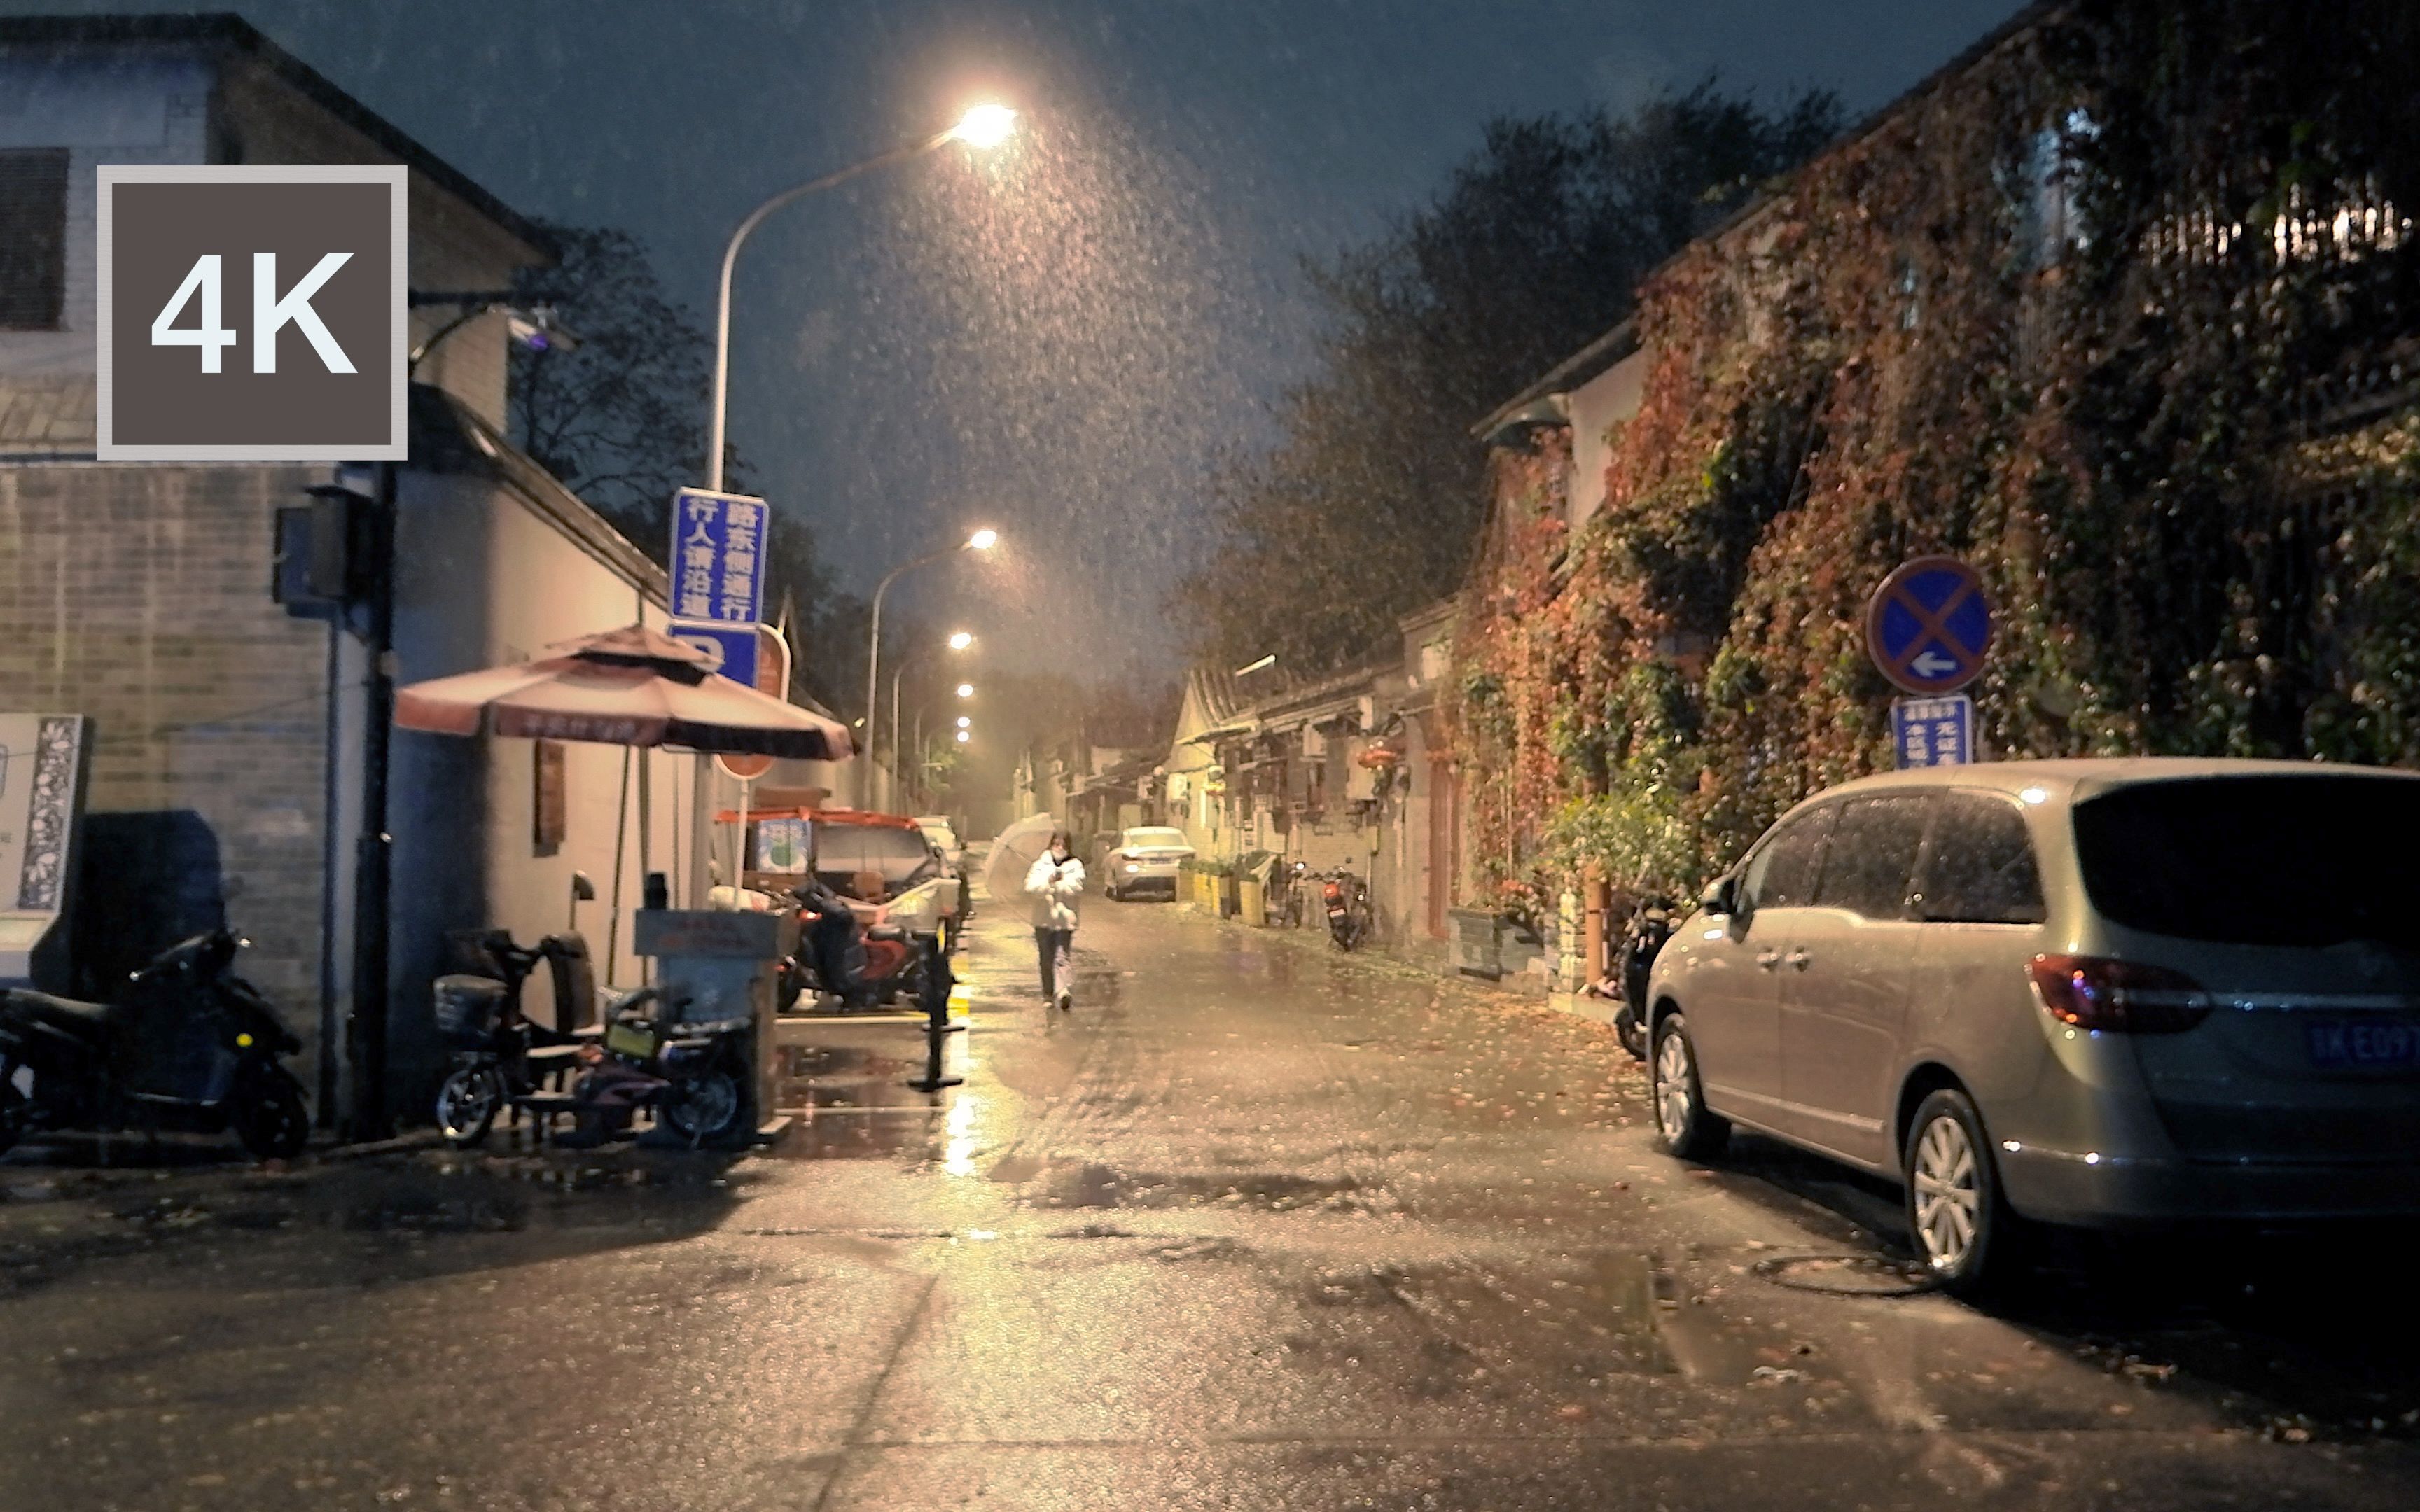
903	857
1872	853
1782	872
1979	867
2310	861
32	237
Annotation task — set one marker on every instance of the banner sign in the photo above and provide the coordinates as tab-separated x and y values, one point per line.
718	557
250	313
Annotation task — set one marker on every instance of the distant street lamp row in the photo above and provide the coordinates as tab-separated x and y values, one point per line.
983	126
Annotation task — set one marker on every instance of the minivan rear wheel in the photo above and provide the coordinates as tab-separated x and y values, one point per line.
1962	1228
1688	1131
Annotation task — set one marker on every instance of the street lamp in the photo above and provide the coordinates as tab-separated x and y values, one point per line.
964	735
982	540
966	690
959	641
964	723
982	128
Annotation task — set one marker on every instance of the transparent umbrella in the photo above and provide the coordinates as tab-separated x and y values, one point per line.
1014	853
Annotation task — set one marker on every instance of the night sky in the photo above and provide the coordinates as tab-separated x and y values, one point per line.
1059	339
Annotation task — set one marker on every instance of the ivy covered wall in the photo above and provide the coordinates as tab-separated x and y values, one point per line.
2122	311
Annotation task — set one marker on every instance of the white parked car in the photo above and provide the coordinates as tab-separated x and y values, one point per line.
1146	859
942	832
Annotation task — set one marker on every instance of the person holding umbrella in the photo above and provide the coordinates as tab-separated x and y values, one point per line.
1055	882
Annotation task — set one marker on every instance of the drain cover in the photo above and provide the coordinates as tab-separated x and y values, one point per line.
1849	1276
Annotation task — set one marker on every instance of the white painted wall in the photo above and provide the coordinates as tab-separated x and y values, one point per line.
1597	406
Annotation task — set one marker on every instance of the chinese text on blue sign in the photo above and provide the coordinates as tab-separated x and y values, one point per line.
718	556
1933	732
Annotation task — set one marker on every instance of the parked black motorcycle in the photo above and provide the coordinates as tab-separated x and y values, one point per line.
1652	924
186	1046
1346	898
865	967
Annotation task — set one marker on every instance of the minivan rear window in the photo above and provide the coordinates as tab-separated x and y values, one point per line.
2257	860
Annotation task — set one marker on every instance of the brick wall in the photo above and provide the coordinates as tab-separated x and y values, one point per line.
140	595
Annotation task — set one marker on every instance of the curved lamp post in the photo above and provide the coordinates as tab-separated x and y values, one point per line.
984	127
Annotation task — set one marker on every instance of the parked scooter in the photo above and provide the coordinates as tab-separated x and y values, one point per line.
695	1074
186	1045
1347	900
1652	924
862	965
498	1054
1288	881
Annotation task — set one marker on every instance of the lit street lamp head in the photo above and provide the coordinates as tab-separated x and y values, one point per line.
966	690
982	540
984	126
960	640
965	722
964	735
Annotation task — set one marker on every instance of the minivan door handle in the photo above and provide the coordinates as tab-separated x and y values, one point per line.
1768	959
1796	958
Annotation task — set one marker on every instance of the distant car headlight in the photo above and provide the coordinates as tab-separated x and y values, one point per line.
1131	867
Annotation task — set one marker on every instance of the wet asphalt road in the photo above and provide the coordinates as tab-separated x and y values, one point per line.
1256	1227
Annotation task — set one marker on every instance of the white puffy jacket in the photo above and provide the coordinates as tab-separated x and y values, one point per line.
1054	887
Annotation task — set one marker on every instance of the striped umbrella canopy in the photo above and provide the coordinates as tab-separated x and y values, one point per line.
631	687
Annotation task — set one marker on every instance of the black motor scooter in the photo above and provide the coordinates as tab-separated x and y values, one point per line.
1346	898
1652	924
187	1045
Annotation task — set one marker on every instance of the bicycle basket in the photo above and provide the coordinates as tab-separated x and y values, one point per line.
467	1008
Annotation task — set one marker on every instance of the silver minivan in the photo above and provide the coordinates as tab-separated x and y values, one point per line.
2096	992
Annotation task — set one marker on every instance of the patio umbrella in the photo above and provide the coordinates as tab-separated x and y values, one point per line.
1014	853
631	687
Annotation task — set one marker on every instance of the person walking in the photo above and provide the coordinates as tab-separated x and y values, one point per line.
1055	882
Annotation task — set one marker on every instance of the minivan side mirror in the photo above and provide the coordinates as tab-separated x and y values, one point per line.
1720	897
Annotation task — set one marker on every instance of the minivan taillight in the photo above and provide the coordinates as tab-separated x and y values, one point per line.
2093	991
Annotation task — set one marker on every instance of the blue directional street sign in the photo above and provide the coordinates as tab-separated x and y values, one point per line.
718	561
1928	625
732	646
1933	732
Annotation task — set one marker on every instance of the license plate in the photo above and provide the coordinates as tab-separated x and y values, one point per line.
1336	912
2342	1043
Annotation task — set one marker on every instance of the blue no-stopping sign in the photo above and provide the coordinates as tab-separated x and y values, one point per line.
1928	625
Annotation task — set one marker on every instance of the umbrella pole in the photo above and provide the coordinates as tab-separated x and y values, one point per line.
739	837
621	839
